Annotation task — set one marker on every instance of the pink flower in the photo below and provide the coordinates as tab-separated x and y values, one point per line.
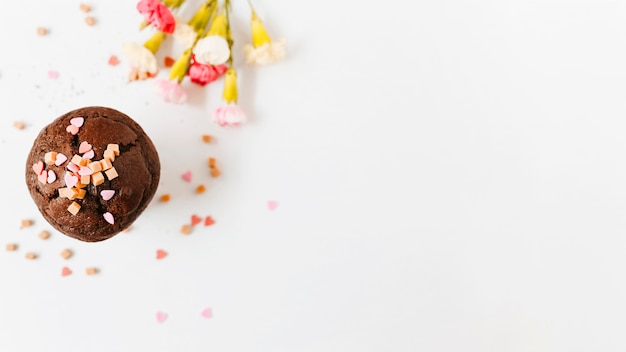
171	91
203	74
229	115
158	15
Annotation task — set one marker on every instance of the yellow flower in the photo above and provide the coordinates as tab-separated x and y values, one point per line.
154	43
179	69
219	26
259	33
230	86
262	51
173	4
201	18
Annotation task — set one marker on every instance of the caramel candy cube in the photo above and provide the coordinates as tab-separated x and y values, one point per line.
111	173
26	223
91	271
109	154
185	229
80	185
84	7
63	192
44	235
67	254
72	193
11	247
50	158
85	179
69	193
81	194
79	160
95	166
74	208
97	178
106	164
115	148
31	255
215	172
212	162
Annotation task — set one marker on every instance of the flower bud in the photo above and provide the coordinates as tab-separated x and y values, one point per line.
154	43
219	26
230	86
259	34
179	69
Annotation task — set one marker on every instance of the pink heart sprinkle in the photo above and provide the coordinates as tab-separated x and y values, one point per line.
187	176
73	167
53	74
89	155
207	313
43	178
70	180
107	194
61	158
272	205
72	129
160	317
84	147
85	171
109	218
38	167
77	121
51	176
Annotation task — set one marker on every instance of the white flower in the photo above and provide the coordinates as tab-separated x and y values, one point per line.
184	33
265	54
212	50
140	58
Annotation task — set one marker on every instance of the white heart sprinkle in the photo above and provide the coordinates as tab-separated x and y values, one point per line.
109	218
107	194
61	158
77	121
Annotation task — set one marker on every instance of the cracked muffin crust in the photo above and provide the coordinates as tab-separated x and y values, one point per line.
92	172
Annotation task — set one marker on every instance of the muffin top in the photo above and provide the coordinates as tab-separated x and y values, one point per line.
92	172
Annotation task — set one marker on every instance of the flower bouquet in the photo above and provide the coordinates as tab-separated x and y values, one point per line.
207	55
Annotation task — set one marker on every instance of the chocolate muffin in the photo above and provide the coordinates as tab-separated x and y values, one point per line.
92	172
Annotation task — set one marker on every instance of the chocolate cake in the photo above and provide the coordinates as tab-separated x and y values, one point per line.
92	172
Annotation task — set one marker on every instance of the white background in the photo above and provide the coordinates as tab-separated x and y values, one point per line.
450	177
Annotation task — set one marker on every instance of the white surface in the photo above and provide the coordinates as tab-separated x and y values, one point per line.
449	174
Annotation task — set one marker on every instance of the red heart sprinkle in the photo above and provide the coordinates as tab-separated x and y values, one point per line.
72	129
84	147
160	254
38	167
195	220
43	178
